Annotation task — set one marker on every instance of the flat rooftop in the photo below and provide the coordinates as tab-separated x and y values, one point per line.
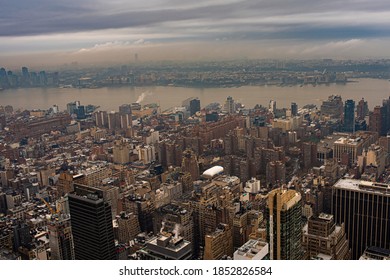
363	186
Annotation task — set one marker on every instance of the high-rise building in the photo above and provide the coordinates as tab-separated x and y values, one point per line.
21	235
121	153
375	253
321	236
101	119
61	239
71	108
386	119
80	112
351	147
333	107
128	227
272	106
219	243
275	173
229	105
114	121
349	116
125	109
3	203
294	109
146	154
25	76
190	164
364	208
309	151
176	219
284	227
378	120
361	109
92	228
194	106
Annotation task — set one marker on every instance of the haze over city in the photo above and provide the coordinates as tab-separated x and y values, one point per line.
205	130
94	32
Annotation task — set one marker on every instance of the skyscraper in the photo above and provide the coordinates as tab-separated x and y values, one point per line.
333	107
92	228
361	109
284	229
386	117
190	164
349	116
194	106
272	106
61	239
378	120
229	105
71	108
364	207
309	151
294	109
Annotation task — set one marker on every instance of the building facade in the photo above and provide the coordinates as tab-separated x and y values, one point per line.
364	208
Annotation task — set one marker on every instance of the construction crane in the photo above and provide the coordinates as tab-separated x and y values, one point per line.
48	206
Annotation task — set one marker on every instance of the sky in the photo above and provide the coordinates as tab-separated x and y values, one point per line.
45	32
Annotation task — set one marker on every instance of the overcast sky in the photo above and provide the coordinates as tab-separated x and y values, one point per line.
180	29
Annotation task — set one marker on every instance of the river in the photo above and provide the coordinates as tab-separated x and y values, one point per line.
372	90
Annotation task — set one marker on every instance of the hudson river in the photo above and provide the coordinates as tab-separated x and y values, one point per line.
372	90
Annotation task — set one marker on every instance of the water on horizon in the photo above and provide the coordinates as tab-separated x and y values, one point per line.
372	90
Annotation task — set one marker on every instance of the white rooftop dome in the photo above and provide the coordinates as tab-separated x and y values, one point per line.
211	172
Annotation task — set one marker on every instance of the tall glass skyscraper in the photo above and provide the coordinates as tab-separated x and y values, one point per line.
284	227
349	116
364	208
92	229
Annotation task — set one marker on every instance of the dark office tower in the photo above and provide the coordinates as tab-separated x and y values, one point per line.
378	120
361	110
22	236
364	208
349	116
284	228
323	239
386	105
80	112
92	228
194	106
125	109
61	239
3	203
294	109
309	151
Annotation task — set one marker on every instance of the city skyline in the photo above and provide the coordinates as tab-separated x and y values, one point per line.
209	130
100	32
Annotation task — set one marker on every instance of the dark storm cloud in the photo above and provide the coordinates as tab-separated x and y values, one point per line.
26	17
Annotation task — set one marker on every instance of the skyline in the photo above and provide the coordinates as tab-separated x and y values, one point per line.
99	32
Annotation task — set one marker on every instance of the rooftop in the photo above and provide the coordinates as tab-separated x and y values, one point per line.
363	186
